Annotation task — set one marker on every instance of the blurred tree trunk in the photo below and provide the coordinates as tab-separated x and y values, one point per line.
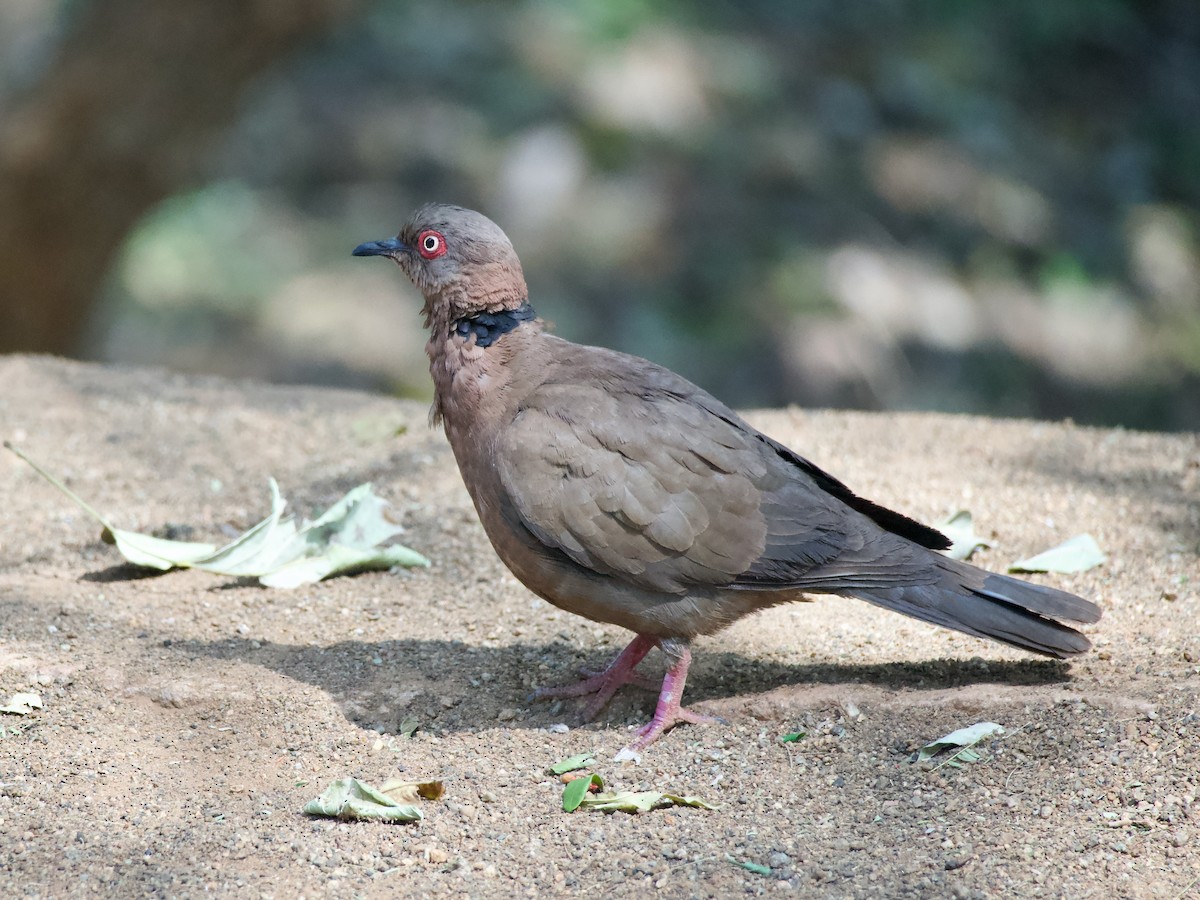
120	120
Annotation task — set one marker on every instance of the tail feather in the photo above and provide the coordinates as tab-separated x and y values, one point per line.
984	604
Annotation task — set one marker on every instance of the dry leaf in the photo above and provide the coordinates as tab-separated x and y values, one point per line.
411	791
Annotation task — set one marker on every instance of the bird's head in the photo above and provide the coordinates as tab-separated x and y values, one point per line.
458	259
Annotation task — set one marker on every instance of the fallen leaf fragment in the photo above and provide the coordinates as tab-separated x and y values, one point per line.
408	726
756	868
1078	554
571	763
960	528
411	791
639	801
576	790
347	537
337	559
628	754
349	798
22	704
963	739
792	736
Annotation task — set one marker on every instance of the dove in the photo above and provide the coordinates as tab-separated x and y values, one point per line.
619	491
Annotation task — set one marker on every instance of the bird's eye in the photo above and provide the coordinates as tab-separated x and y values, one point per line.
431	244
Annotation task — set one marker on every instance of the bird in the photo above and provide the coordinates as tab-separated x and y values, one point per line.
617	490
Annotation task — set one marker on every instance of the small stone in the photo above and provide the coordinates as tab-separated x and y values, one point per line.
778	860
506	715
559	728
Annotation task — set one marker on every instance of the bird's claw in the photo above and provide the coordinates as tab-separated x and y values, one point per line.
663	722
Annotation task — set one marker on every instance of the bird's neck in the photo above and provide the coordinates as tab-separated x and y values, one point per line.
470	349
490	326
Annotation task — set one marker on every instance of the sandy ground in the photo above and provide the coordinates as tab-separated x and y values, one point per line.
189	717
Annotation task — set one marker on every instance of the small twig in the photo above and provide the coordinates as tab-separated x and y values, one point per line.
1012	773
1131	823
954	755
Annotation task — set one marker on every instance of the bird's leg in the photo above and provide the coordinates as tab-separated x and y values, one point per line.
669	713
621	671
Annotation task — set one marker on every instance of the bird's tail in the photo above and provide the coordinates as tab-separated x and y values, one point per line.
988	605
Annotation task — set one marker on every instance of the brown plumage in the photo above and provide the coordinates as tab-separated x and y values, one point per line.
620	491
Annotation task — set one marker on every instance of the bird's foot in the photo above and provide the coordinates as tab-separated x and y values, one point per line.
602	685
669	713
622	671
661	724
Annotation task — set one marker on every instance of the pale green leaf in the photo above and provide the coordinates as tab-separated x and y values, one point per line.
571	763
1078	554
151	552
357	520
349	798
256	550
345	538
22	704
964	739
960	528
339	560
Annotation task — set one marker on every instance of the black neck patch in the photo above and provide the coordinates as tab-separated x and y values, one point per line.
488	327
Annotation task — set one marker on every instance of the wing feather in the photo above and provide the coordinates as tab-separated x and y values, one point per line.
694	500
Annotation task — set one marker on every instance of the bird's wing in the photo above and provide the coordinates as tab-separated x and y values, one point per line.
667	493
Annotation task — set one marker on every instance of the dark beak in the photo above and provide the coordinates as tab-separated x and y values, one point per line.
389	247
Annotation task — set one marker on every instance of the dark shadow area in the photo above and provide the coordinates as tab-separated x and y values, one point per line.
121	572
413	677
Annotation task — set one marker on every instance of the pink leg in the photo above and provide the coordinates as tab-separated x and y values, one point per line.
621	671
669	713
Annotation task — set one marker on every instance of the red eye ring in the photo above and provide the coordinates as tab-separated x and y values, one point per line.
431	244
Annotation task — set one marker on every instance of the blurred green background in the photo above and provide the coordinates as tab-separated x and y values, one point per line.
949	205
